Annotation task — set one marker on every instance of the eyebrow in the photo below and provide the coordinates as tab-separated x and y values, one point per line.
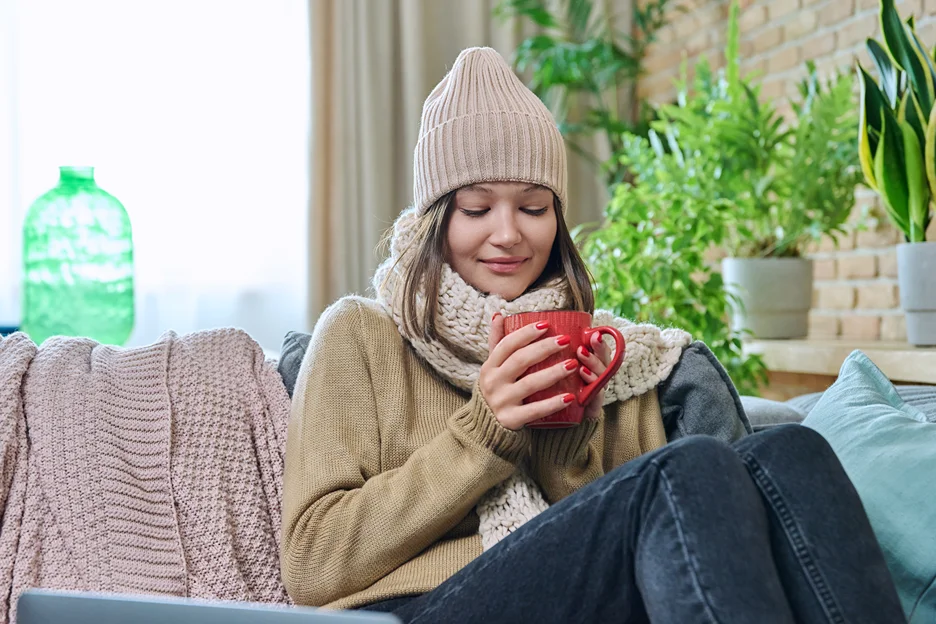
483	189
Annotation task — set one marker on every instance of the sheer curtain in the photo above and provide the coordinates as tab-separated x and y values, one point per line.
195	114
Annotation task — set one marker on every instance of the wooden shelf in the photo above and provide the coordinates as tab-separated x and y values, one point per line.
899	361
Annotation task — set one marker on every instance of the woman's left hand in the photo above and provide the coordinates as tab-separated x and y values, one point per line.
594	362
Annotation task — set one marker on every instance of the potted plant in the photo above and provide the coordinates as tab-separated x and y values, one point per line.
788	184
647	259
897	150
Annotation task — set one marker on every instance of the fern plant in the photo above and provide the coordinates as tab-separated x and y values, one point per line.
790	183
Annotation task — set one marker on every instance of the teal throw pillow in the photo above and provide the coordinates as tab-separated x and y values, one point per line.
888	450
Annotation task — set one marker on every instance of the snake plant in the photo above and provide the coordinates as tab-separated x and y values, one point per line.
897	132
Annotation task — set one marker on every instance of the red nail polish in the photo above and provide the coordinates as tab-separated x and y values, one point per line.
570	364
563	340
542	325
586	371
583	351
496	314
568	398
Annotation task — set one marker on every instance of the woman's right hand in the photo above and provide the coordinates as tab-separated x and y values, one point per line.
502	380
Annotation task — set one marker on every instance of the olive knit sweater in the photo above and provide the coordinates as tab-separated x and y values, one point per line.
385	462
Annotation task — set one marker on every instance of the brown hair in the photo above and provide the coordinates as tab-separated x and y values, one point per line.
431	249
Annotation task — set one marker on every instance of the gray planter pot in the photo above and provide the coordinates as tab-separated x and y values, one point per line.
916	272
776	295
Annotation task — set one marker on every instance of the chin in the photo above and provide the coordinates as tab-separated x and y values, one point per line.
507	291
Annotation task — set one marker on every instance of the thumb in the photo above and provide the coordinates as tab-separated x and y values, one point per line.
497	331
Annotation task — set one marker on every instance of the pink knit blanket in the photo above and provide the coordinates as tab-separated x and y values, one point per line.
155	469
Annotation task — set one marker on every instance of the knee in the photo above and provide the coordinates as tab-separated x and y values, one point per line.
787	443
698	453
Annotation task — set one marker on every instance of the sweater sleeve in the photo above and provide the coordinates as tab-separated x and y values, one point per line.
347	523
563	460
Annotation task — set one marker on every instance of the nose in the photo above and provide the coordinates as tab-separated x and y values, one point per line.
506	233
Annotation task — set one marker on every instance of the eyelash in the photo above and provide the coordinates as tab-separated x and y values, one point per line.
533	212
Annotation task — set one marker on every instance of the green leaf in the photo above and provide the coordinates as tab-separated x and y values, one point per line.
886	71
870	125
534	10
578	13
929	69
898	40
655	143
918	191
733	46
909	112
890	170
930	153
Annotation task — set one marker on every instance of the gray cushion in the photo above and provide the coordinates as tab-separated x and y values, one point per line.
294	348
698	398
764	413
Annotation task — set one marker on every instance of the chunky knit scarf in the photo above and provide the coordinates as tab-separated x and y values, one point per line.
464	319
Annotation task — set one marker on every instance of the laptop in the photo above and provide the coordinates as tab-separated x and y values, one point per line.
42	606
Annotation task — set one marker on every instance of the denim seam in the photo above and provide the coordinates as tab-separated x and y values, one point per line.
508	546
690	559
796	539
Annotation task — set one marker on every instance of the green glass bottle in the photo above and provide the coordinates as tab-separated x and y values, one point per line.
78	262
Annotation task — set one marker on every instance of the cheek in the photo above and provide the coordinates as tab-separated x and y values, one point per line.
459	243
547	236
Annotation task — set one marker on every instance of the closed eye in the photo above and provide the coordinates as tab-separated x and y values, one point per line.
475	213
536	212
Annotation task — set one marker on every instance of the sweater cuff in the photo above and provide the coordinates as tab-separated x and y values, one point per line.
478	423
563	446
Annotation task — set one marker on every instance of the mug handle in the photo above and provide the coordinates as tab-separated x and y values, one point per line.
586	393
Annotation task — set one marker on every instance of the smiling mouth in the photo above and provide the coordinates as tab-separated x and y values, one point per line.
504	266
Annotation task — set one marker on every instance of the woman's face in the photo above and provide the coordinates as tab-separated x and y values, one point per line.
500	235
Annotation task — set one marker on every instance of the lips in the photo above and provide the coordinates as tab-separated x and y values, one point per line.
504	265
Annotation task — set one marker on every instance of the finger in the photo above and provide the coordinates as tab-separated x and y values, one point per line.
540	409
601	348
516	340
497	331
590	360
588	375
522	359
543	380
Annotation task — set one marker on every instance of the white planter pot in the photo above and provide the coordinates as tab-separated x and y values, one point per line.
916	272
776	295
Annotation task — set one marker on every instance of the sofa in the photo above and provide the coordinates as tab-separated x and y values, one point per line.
765	413
209	434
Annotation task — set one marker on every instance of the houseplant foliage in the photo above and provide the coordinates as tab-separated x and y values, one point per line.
897	145
788	181
648	256
721	167
897	150
579	62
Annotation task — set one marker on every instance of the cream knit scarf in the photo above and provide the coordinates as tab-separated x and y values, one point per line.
464	318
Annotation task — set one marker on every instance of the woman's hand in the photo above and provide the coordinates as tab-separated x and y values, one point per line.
594	362
502	380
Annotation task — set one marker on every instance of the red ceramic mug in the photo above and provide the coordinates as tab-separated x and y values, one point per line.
577	326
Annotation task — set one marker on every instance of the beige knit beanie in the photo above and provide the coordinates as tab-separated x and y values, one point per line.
482	124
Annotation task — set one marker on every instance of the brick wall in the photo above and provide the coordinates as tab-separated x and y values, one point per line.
856	294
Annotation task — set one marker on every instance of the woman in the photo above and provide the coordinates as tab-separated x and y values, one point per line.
409	469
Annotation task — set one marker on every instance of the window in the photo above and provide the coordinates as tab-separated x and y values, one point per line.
195	115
